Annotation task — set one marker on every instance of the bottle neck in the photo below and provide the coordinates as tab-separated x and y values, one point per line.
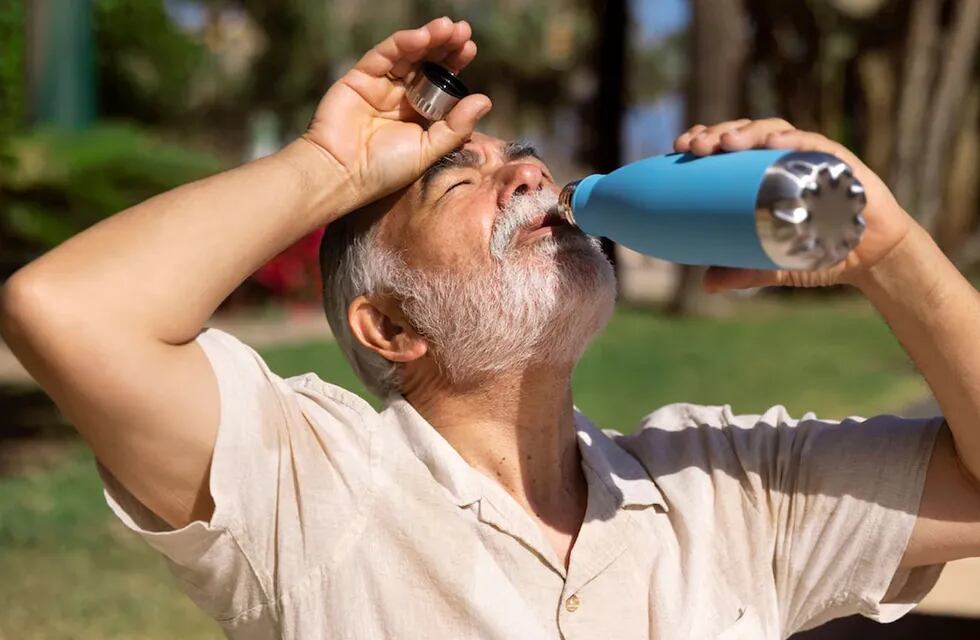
565	208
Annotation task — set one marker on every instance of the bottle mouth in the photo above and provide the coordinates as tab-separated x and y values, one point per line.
445	80
565	202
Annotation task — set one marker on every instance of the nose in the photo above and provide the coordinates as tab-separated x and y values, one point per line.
518	178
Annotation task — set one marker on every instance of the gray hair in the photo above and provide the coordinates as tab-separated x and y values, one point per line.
353	263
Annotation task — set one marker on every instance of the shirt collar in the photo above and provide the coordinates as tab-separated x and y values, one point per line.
443	461
621	473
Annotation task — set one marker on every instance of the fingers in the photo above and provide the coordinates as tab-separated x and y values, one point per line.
773	133
752	134
725	278
445	135
807	141
729	136
456	60
701	135
440	30
408	44
399	52
458	37
683	141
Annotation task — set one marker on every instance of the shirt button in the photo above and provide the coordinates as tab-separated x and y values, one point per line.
572	604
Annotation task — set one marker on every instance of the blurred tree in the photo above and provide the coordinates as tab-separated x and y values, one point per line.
719	46
957	69
659	68
294	68
601	143
146	63
919	68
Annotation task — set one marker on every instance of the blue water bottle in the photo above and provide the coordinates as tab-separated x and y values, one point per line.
758	209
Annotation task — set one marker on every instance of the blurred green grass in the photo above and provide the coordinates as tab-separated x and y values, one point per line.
70	571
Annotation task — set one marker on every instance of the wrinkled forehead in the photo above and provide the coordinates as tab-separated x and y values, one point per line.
410	204
479	152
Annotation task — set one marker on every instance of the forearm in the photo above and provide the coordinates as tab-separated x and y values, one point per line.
935	312
161	268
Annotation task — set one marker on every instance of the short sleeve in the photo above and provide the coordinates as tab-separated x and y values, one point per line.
842	498
289	469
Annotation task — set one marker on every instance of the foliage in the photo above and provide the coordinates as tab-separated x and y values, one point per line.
145	62
291	73
658	68
11	66
60	183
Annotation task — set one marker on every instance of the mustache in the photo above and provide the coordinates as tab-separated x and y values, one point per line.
521	211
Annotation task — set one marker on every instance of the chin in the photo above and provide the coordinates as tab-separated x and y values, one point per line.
541	306
585	301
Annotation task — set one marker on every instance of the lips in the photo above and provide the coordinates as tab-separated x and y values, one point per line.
545	224
547	219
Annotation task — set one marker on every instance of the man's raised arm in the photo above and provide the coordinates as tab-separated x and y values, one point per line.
932	309
106	322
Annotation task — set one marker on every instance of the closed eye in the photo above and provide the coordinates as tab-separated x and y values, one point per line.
458	184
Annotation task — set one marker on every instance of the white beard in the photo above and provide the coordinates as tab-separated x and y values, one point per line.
538	303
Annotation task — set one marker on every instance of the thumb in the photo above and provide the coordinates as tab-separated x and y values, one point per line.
445	135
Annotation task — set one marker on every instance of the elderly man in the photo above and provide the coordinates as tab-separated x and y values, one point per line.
478	503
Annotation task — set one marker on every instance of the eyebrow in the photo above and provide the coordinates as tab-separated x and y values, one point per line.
467	158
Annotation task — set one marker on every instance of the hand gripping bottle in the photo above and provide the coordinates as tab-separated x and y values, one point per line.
756	209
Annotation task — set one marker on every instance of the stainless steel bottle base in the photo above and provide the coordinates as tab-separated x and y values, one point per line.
809	211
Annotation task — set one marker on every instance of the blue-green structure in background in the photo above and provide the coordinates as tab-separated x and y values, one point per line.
62	63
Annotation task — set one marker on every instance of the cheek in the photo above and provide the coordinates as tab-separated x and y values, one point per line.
461	236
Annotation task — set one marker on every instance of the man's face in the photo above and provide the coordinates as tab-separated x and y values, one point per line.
446	218
491	276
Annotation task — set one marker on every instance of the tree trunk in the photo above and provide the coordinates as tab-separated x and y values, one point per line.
719	41
878	82
962	210
917	77
602	145
787	42
954	81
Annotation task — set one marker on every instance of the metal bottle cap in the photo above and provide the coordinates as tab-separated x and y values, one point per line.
435	90
809	210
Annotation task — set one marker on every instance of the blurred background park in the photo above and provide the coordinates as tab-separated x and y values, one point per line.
104	103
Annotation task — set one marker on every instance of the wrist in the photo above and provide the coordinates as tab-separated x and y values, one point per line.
324	183
914	267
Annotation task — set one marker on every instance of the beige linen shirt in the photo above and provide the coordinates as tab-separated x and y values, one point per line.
334	520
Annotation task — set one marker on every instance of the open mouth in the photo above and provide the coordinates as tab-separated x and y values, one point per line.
545	224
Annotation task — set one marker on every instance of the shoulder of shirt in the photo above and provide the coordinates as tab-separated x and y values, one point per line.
308	384
683	416
312	385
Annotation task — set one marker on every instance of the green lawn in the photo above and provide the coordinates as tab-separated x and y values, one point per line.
69	571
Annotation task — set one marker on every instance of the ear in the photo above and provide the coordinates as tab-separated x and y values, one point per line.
380	325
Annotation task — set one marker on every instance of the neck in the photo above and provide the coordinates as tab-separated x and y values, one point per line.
518	429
